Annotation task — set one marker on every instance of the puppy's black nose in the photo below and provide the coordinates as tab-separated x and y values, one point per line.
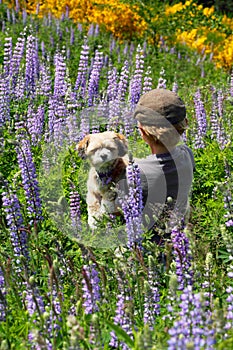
104	156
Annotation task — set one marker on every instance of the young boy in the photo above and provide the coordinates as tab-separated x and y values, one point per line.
167	173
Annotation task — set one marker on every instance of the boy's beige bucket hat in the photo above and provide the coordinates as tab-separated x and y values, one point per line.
160	105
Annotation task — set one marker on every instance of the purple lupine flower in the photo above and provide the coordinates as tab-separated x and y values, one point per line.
44	85
220	99
37	339
122	317
136	80
131	49
208	286
227	198
3	302
229	300
67	53
16	60
8	15
97	30
202	72
162	81
91	30
217	129
118	319
172	50
93	83
229	223
42	47
75	212
81	81
14	220
123	82
221	135
228	240
128	121
84	124
175	87
52	42
24	16
35	124
4	100
80	27
72	126
112	88
55	314
112	45
32	65
57	113
72	36
59	129
201	120
220	132
29	179
60	85
198	61
95	127
7	55
132	205
19	91
192	328
37	9
152	296
125	50
113	115
3	26
231	85
147	83
13	16
51	119
34	301
183	257
214	116
91	289
53	309
17	6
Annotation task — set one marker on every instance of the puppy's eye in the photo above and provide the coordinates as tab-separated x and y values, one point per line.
92	150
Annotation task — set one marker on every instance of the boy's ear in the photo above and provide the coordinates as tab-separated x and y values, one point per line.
142	131
82	146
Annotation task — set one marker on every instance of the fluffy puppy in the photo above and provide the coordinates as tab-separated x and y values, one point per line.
107	154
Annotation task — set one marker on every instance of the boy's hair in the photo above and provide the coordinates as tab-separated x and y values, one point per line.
169	136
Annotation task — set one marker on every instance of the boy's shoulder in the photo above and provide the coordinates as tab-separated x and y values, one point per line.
181	153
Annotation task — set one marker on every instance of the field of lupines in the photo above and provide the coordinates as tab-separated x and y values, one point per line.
62	287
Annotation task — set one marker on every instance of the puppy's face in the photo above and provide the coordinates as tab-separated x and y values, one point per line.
102	148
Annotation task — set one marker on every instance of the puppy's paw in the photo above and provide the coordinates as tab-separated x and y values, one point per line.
107	206
92	222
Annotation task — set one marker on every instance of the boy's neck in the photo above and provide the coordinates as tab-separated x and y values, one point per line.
158	148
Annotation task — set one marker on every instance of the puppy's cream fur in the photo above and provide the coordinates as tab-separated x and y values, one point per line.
107	154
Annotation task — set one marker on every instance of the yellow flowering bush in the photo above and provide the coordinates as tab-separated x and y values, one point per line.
223	55
204	31
121	19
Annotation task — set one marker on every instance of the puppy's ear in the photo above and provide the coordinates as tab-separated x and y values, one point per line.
82	146
122	144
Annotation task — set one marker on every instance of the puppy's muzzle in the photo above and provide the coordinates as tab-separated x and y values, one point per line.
104	157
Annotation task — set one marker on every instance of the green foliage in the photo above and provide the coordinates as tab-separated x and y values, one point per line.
57	259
